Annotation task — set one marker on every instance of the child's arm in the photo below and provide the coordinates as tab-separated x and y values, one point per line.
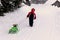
28	14
34	16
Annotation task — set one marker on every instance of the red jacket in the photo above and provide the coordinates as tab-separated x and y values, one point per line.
32	11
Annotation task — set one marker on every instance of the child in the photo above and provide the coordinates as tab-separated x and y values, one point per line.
31	16
14	29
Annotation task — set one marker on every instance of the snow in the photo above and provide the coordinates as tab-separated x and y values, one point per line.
46	26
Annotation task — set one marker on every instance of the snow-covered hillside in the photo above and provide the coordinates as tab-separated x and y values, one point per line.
46	26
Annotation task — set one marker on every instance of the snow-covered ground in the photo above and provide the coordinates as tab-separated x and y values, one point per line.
46	26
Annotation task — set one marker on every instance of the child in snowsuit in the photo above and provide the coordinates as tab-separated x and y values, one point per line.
14	29
31	16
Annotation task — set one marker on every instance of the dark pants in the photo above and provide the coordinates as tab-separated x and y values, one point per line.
31	20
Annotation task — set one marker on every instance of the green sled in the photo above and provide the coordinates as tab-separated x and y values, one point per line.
13	30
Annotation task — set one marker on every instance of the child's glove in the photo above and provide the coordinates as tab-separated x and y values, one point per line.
34	17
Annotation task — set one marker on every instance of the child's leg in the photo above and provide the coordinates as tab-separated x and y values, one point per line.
31	23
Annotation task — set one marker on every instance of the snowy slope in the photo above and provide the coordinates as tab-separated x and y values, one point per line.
46	26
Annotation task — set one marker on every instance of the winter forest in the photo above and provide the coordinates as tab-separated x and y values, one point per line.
29	19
